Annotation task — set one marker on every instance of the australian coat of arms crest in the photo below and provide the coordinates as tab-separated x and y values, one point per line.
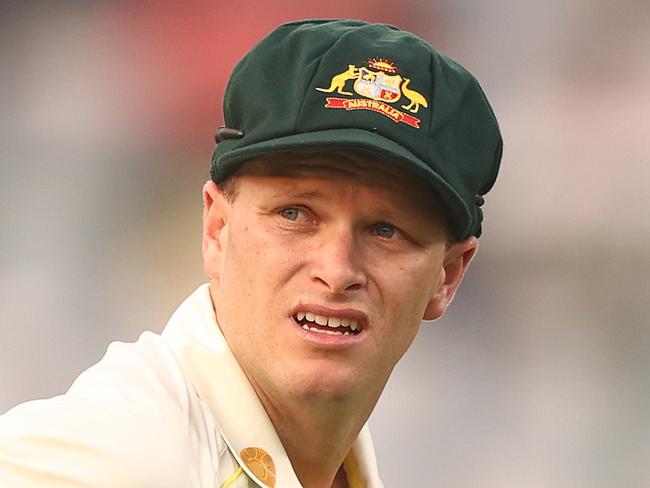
381	86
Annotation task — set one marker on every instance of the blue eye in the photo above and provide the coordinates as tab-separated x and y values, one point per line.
385	230
290	213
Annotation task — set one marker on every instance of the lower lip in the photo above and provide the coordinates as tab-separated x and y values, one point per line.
328	340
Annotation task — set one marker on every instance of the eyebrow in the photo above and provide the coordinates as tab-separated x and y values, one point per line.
307	195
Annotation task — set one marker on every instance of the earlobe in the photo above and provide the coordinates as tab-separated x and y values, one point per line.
216	211
458	257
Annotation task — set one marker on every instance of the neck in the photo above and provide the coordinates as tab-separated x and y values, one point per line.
318	434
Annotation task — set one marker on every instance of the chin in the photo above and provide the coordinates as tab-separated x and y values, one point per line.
331	387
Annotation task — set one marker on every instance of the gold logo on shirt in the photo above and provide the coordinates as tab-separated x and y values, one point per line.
260	463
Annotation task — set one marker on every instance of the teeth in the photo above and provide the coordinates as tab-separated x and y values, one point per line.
321	331
333	322
320	320
333	332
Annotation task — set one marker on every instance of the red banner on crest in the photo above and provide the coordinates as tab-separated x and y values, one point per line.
375	106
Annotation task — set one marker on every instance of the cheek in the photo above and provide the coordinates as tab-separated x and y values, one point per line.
406	289
409	283
243	259
259	263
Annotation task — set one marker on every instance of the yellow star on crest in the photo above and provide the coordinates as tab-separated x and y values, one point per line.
383	64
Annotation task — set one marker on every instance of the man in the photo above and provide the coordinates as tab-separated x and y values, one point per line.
343	208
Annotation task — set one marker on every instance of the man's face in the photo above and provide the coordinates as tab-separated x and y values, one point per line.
323	267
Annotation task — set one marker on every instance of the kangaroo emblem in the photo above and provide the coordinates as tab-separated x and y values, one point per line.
338	81
416	98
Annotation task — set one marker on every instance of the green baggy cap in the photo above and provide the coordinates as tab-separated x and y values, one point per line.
348	84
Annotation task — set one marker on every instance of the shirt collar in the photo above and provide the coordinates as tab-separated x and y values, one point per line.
210	366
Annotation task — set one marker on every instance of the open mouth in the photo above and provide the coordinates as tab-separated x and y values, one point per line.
327	325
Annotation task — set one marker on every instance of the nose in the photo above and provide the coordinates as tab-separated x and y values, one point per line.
338	263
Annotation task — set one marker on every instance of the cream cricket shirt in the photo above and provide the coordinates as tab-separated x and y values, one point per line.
169	411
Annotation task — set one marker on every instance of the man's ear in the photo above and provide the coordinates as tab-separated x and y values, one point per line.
457	258
216	213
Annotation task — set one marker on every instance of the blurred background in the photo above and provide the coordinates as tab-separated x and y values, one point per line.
537	376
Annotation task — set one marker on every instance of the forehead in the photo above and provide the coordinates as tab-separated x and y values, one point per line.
365	168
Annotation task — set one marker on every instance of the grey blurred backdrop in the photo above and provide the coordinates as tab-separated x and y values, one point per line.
537	376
